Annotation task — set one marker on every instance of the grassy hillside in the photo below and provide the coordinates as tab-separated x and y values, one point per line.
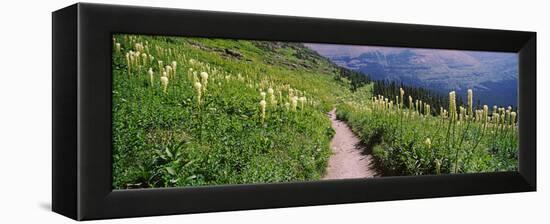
220	133
406	139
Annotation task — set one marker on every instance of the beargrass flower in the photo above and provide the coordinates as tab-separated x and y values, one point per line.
294	103
204	80
144	58
164	82
302	101
507	117
169	70
427	109
271	96
161	67
198	89
128	62
461	113
174	66
513	115
190	74
428	143
262	109
196	77
496	118
151	76
397	101
452	105
117	47
138	47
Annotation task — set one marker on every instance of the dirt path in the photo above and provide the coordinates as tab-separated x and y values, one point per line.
348	160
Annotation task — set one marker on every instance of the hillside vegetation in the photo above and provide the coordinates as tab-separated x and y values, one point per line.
197	111
407	139
190	111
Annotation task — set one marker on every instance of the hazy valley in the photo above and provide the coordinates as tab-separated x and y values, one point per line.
492	75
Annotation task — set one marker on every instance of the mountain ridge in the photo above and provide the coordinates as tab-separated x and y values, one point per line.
493	75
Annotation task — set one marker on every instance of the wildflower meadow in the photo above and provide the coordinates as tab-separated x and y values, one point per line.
198	111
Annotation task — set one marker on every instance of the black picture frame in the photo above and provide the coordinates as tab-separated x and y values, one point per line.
81	94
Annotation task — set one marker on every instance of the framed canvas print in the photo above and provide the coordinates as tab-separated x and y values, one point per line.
167	111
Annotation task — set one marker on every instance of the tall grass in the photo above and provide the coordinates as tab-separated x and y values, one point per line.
206	118
411	141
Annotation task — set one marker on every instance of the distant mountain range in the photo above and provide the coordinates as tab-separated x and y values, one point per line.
492	75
